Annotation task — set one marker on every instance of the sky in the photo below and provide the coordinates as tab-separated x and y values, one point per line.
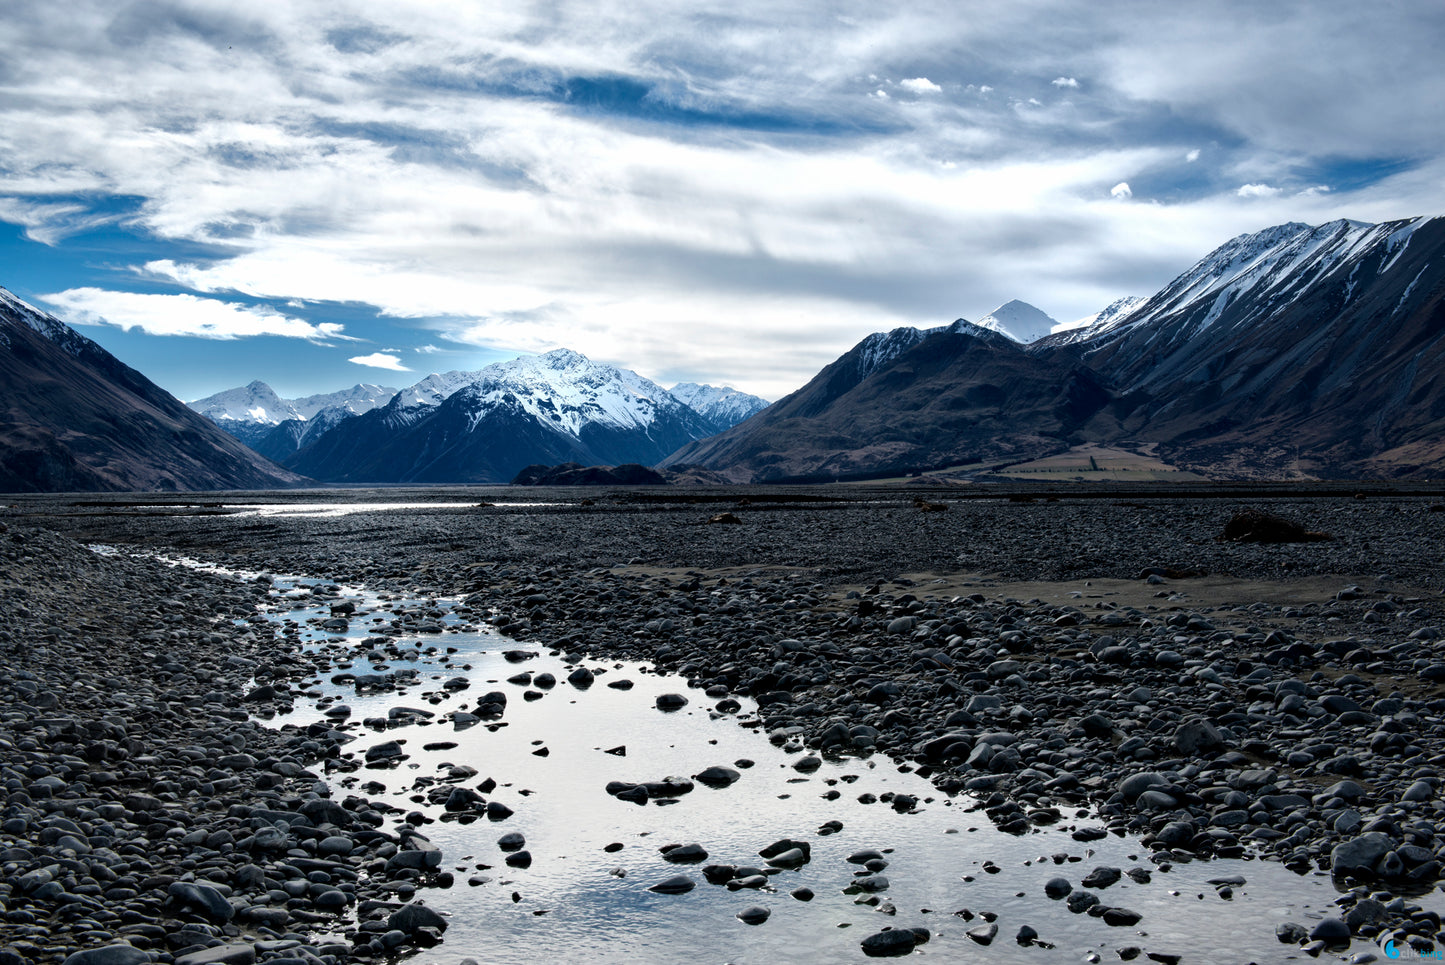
320	194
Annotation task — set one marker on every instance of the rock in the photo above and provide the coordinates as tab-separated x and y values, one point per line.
717	777
1198	736
233	954
1360	855
204	899
1136	784
1121	917
1291	933
893	943
983	934
512	841
686	854
671	702
675	885
753	915
411	918
1057	888
1102	877
1331	931
112	955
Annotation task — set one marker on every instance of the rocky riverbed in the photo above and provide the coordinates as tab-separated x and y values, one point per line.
1110	656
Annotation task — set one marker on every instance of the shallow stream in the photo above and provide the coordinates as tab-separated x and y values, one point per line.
552	757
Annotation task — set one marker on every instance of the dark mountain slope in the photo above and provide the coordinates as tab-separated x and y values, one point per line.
955	396
75	418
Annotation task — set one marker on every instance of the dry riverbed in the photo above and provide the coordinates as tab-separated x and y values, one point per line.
1043	658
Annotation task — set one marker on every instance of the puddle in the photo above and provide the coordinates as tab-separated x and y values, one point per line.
552	758
334	510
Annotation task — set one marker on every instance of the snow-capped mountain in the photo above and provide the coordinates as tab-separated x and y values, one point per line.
1018	320
75	418
907	400
723	406
1081	329
1293	351
253	411
485	426
254	403
1241	289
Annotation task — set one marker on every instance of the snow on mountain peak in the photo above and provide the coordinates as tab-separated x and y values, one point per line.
722	405
1018	320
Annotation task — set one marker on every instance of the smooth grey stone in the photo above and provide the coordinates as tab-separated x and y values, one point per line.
205	899
983	934
890	944
408	919
1197	735
1057	888
675	885
109	955
1331	931
235	954
1360	855
753	915
717	776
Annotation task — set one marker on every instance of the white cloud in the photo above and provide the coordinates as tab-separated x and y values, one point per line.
1314	191
920	85
184	315
429	166
1122	191
426	349
380	360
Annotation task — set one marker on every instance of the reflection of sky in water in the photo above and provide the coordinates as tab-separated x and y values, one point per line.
592	915
332	510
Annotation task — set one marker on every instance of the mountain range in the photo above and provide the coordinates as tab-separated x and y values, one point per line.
1295	351
479	427
486	426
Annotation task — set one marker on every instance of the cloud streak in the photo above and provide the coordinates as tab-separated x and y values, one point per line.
184	315
380	360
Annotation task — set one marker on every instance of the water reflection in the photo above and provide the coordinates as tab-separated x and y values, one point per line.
554	751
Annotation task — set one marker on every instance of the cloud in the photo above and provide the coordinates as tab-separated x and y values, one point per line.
617	178
1257	191
184	315
920	85
426	349
380	360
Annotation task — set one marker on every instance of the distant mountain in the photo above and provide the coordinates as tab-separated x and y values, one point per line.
1293	351
906	400
1018	320
75	418
252	412
486	426
722	406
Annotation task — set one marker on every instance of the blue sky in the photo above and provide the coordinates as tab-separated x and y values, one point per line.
316	194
